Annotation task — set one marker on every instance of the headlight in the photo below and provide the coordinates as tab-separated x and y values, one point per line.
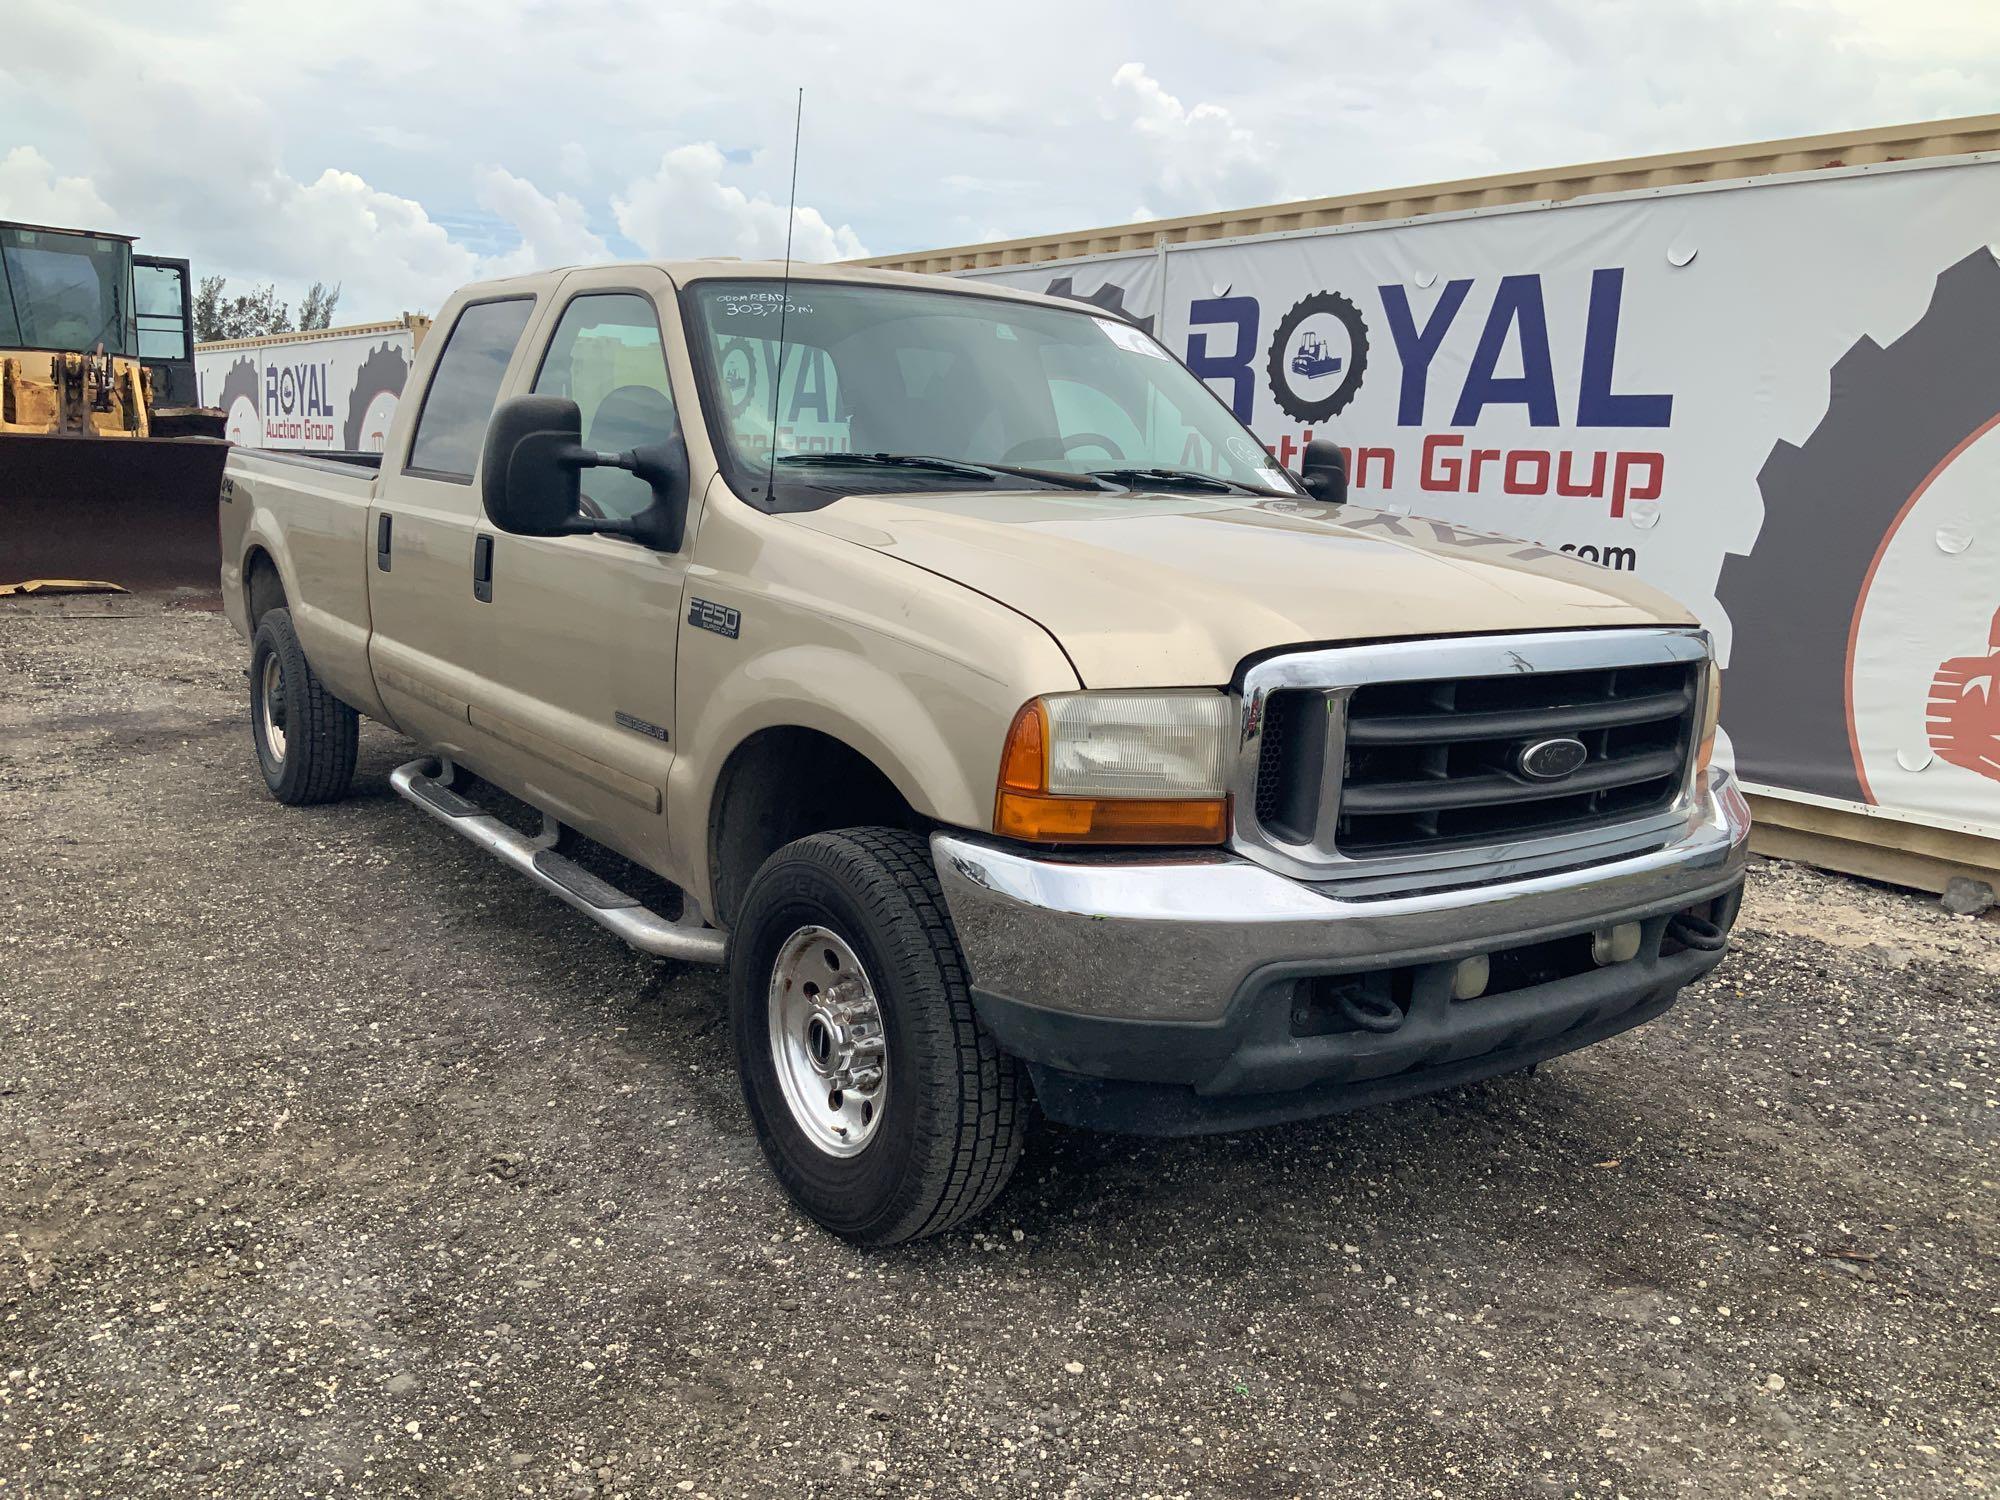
1116	768
1711	716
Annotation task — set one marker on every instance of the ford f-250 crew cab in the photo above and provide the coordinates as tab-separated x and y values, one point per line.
951	662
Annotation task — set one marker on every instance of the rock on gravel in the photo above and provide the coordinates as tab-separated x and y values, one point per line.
1968	898
336	1160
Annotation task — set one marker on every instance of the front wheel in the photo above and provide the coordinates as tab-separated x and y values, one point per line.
883	1105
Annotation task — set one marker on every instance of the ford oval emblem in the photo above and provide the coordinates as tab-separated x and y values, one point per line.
1551	760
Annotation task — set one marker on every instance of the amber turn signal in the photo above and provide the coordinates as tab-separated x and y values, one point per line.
1110	820
1024	764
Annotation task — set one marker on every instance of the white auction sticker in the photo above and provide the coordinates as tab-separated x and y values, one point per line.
1125	336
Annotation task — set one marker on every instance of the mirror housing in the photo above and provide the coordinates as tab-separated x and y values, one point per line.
528	471
663	465
1323	471
530	468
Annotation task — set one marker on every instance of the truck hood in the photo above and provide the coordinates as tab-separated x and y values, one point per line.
1160	590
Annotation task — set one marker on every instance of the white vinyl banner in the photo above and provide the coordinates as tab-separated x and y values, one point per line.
1128	285
336	391
1775	400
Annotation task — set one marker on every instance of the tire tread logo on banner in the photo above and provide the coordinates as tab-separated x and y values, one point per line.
1898	417
242	403
1108	298
1304	357
381	375
740	374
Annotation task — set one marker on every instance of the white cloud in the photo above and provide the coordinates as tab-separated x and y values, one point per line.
398	139
913	137
685	208
339	225
31	191
1197	159
1465	87
214	188
554	231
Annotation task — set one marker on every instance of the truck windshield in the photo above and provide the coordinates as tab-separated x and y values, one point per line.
65	291
886	388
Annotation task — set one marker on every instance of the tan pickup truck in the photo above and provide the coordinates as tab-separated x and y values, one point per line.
952	664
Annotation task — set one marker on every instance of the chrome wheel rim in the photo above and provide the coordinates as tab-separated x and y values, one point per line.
271	707
827	1044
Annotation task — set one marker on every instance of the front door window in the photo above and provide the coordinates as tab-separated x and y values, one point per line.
606	355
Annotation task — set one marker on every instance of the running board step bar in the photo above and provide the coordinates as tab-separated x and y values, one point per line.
427	783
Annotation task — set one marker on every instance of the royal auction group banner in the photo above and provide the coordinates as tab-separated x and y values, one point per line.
330	391
1774	399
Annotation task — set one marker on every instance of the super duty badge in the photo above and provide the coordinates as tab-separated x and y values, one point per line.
717	617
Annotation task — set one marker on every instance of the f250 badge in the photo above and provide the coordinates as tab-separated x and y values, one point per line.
720	618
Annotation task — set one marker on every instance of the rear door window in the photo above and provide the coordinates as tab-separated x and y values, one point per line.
452	426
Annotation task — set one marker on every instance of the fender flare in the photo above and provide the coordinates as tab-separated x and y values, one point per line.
261	533
786	689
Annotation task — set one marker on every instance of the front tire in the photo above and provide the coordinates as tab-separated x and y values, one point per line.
883	1105
306	738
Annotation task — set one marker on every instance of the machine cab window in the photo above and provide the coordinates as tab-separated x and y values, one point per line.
65	290
159	294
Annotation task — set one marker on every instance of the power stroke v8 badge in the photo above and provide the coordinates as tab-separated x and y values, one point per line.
720	618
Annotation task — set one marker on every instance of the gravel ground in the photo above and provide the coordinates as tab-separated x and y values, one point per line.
335	1159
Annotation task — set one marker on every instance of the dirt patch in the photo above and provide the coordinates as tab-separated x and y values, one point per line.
1793	901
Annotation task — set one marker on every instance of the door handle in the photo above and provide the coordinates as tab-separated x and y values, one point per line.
482	569
384	525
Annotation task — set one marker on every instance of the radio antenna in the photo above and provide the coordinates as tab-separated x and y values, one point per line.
784	299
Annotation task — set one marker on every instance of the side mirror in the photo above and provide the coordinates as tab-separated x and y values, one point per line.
530	467
1323	471
663	465
528	472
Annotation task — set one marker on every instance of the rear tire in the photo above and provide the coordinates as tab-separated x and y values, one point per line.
306	738
952	1108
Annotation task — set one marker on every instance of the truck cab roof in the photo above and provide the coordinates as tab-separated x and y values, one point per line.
726	268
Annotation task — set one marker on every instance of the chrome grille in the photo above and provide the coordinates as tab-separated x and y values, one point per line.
1406	757
1434	762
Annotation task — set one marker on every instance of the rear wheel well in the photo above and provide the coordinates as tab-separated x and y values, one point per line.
263	589
784	784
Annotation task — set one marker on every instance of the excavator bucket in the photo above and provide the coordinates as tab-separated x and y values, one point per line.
136	511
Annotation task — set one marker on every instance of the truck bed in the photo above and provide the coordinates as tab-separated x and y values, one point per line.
339	460
315	507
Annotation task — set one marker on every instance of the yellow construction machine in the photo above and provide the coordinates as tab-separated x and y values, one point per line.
108	467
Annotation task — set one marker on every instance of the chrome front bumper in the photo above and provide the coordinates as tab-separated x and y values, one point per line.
1179	940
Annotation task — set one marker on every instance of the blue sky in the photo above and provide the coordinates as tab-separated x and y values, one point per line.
402	148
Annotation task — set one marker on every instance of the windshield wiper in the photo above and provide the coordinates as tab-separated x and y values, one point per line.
1059	477
887	460
1187	479
936	465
